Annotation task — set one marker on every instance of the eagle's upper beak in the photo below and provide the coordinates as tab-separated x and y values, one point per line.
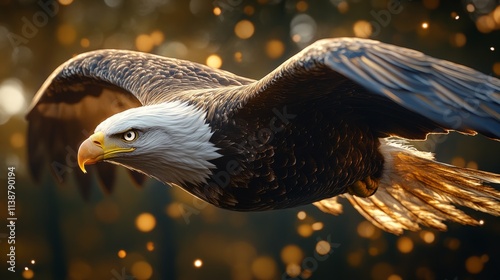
93	150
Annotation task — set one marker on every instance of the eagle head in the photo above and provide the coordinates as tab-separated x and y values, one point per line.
168	141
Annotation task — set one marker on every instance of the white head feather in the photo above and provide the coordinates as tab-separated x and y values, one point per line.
173	145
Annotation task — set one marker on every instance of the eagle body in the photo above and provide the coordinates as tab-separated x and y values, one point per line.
277	159
329	122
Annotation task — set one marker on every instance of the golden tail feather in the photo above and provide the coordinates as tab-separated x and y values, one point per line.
415	189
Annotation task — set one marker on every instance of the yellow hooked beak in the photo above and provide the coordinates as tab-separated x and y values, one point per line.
94	150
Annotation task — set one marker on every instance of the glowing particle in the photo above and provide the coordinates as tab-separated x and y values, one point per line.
323	247
144	43
425	25
470	8
244	29
12	99
85	43
343	7
248	10
427	236
474	264
198	263
492	49
264	268
496	68
362	29
214	61
66	34
275	48
17	140
142	270
26	268
150	246
122	254
366	229
457	17
65	2
301	6
293	270
305	230
32	261
301	215
405	244
238	57
28	274
481	222
317	226
217	11
145	222
291	254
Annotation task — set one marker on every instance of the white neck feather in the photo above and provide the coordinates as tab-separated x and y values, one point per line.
175	146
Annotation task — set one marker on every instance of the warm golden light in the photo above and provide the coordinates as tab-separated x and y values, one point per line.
145	222
85	42
238	57
144	43
249	10
17	140
405	244
458	40
291	254
362	29
323	247
355	258
427	236
32	261
198	263
244	29
293	270
470	8
343	7
217	11
425	25
485	24
305	230
452	243
496	68
301	6
66	34
174	210
157	37
474	264
28	273
366	229
150	246
264	268
122	254
65	2
317	226
142	270
275	48
214	61
301	215
394	277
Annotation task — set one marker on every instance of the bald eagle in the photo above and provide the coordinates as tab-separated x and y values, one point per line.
319	127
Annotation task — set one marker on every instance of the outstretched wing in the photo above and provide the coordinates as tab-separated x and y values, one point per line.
92	86
400	92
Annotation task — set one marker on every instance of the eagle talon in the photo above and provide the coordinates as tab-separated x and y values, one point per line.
363	188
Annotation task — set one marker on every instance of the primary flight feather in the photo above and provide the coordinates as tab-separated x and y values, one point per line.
316	128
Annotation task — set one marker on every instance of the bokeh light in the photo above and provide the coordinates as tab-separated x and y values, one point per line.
142	270
214	61
264	268
145	222
244	29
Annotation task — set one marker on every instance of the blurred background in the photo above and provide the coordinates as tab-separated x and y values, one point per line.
158	232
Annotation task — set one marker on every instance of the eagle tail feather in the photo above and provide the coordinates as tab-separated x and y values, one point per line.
416	190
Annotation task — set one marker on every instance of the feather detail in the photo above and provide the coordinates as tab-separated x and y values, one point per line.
416	190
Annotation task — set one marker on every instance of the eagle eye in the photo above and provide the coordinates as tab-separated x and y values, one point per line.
129	135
